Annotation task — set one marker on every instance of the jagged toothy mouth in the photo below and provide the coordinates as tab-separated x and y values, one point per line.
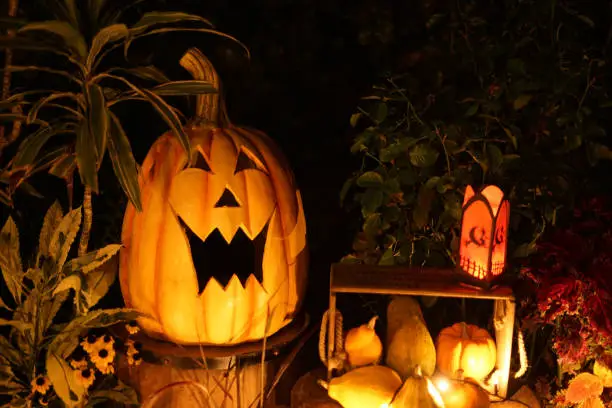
217	258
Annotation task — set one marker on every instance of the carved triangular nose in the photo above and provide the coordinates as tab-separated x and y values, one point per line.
227	200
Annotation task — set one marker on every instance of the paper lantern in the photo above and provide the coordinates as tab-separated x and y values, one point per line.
484	230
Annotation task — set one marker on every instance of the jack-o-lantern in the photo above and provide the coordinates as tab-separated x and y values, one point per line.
218	253
484	229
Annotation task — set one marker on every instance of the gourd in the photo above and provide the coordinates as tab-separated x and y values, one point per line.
409	343
369	386
417	391
468	348
362	344
232	198
464	393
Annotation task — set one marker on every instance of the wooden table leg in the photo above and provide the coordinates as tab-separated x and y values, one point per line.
504	311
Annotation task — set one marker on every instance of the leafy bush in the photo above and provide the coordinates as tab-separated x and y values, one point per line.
511	93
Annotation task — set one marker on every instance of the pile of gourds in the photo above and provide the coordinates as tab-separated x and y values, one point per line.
463	353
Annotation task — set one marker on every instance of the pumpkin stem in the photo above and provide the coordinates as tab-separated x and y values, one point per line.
459	374
417	371
464	333
209	107
372	323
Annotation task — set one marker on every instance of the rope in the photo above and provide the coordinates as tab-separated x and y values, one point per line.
339	356
523	360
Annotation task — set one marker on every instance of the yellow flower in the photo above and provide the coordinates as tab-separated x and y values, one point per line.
90	344
103	360
134	359
41	384
85	376
133	347
132	327
78	363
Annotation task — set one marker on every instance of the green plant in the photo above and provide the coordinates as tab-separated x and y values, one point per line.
84	36
44	329
521	103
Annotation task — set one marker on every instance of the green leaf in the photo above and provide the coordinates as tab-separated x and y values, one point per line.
387	258
67	340
423	155
30	44
30	147
86	157
98	119
42	102
524	250
9	352
110	34
512	137
122	394
124	164
99	281
355	118
522	101
372	225
64	381
165	17
64	166
91	260
471	111
381	112
149	73
49	310
495	157
371	200
17	324
345	189
51	223
64	236
184	88
73	39
370	179
70	282
420	215
10	259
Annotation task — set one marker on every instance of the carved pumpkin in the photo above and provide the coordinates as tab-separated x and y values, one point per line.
465	350
218	253
484	229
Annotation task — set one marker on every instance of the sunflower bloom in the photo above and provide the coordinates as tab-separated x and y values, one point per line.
90	344
78	363
85	376
132	327
134	359
41	384
103	360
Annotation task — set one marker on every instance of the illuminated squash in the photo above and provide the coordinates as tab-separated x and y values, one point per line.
362	344
467	348
179	264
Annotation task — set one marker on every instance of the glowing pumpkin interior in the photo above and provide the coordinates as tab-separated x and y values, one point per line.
484	228
218	253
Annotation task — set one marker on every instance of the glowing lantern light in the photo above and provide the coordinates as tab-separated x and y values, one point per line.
484	229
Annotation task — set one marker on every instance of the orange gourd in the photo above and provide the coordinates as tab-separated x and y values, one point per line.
179	265
362	344
465	348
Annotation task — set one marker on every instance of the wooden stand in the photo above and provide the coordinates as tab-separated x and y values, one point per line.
233	376
393	280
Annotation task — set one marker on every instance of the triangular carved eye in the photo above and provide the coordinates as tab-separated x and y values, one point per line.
246	162
228	199
201	162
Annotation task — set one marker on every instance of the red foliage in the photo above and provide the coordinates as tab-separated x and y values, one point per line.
572	272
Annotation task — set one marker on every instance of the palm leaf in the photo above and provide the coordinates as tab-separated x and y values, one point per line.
184	88
107	35
98	119
124	165
68	33
38	105
86	157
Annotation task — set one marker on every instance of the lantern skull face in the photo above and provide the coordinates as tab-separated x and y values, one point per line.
218	253
484	224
